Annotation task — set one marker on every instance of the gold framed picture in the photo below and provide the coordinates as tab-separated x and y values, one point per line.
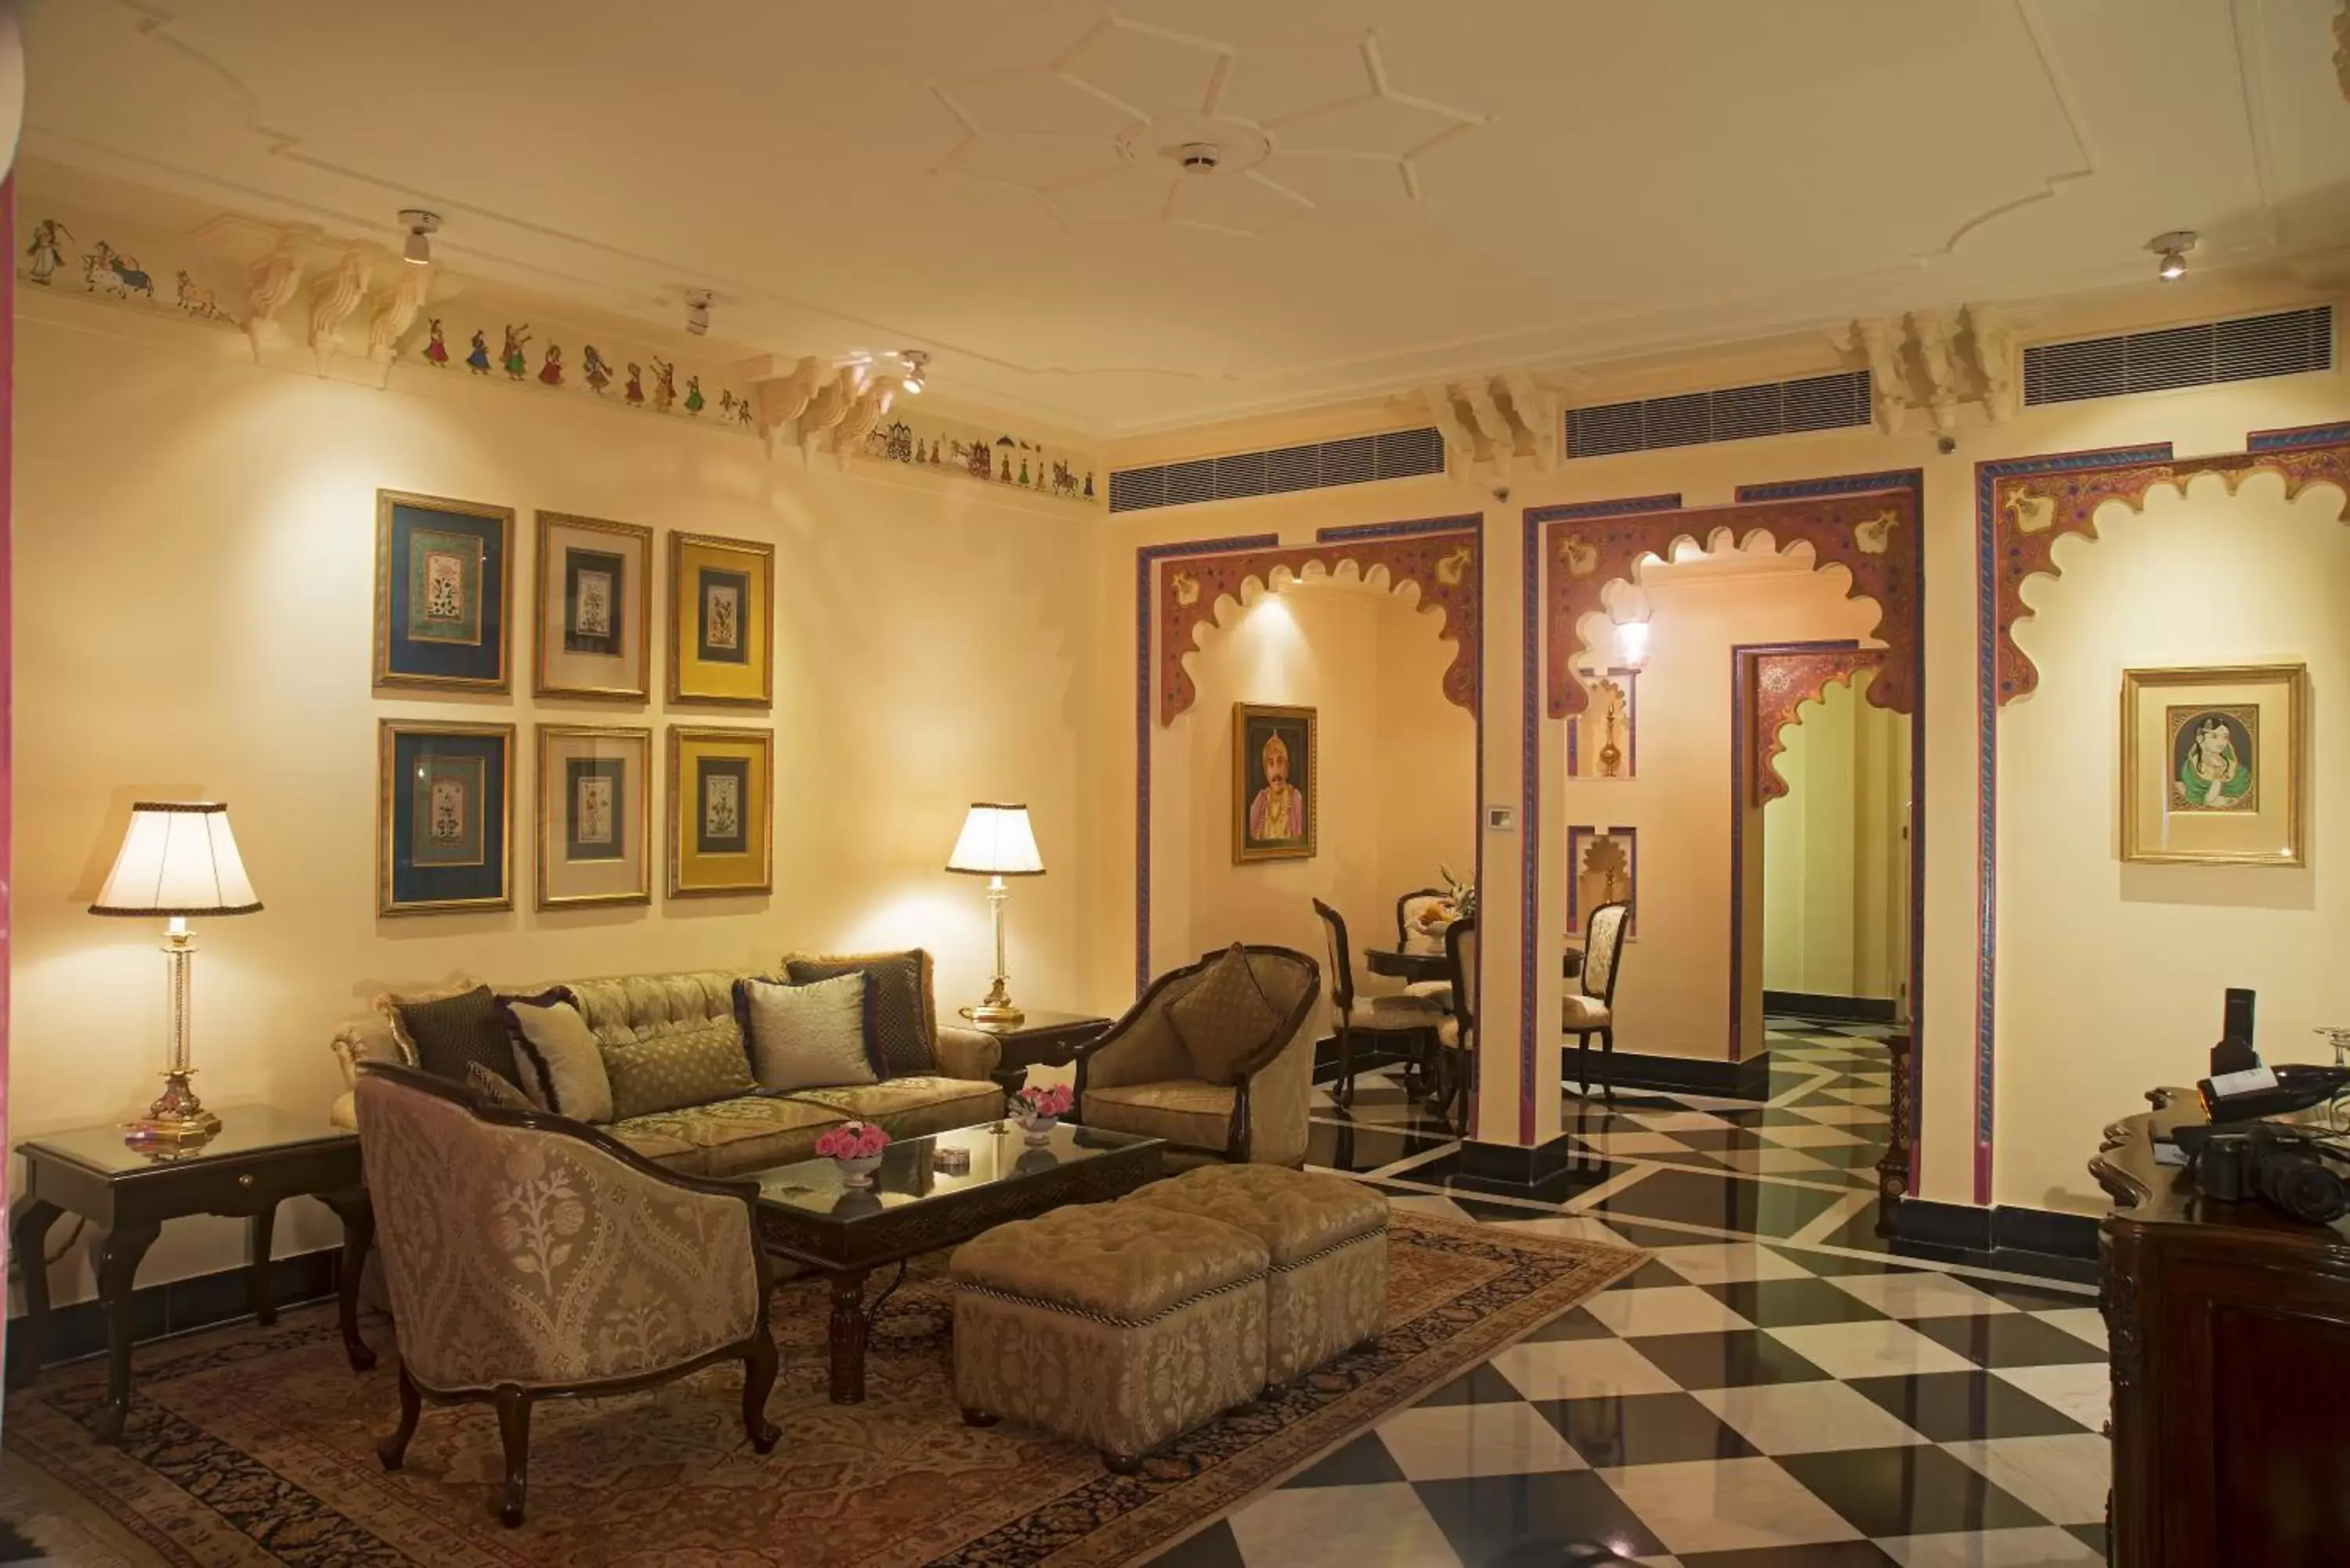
594	608
441	592
2213	764
445	815
721	626
595	815
1276	783
720	797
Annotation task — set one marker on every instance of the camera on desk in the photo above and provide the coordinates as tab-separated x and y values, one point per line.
2240	1156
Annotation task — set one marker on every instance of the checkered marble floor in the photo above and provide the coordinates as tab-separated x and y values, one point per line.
1773	1390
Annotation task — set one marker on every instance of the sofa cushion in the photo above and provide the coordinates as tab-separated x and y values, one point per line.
386	1005
902	1006
452	1032
1187	1111
668	1040
1226	1024
729	1137
911	1107
811	1036
556	1059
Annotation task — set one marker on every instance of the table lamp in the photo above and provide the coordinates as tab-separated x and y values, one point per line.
996	843
177	859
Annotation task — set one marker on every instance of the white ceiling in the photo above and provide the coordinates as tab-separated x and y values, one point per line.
1409	189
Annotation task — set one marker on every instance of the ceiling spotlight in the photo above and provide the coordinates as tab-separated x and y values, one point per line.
2172	248
422	226
697	311
917	365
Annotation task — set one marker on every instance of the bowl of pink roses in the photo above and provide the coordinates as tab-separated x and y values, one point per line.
1037	1110
856	1148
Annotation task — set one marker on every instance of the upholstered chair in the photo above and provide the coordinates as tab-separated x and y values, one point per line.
1593	1010
1138	1076
1414	934
531	1257
1411	1018
1457	1034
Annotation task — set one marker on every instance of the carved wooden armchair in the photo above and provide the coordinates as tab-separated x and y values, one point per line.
531	1257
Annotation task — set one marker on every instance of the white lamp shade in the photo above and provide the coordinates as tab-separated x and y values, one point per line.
997	841
178	859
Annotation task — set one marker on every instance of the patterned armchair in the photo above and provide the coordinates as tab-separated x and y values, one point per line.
1593	1011
1137	1077
531	1257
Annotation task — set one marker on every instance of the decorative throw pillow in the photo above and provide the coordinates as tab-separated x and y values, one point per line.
557	1060
819	1035
1224	1020
682	1067
903	1022
388	1003
454	1032
492	1090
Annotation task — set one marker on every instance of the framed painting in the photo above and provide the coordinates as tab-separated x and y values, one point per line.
1603	740
595	608
721	784
444	811
2213	764
1602	866
720	647
1276	783
595	815
440	582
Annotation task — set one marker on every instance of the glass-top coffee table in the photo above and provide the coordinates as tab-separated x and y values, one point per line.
808	1215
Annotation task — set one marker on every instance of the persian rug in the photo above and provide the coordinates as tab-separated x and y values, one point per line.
248	1445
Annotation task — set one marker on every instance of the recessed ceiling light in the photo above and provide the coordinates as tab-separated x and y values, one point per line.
2172	248
422	226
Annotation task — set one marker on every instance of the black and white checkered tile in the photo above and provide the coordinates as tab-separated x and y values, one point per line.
1772	1391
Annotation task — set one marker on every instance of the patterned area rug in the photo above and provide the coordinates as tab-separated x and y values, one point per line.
256	1446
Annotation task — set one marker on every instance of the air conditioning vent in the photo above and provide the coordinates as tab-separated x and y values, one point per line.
1736	413
2247	348
1356	460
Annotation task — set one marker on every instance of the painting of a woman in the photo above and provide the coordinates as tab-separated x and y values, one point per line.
2213	765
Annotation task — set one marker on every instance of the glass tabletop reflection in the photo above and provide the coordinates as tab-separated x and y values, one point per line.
910	1173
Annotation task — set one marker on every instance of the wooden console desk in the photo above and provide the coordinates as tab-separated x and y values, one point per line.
2229	1326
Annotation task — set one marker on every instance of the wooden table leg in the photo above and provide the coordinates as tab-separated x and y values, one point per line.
849	1337
257	1231
358	1216
117	1269
28	1235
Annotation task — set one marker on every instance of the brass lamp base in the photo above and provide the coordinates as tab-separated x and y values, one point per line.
995	1012
177	1120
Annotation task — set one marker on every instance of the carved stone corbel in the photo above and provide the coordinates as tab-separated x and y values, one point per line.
780	393
270	282
1932	328
1992	337
862	417
1532	414
1500	442
1458	434
827	408
395	311
1879	343
333	300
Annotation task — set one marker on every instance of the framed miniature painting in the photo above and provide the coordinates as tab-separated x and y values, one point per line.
595	815
721	784
1276	780
1602	867
444	810
440	582
719	646
2213	764
595	607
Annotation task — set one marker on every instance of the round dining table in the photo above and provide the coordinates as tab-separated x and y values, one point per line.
1410	964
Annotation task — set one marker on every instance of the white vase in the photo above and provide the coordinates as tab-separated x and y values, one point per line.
1038	1130
858	1170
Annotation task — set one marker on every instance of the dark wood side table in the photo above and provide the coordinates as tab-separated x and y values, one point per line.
1042	1039
261	1157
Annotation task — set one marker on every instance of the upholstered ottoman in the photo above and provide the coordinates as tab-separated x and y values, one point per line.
1115	1325
1327	1240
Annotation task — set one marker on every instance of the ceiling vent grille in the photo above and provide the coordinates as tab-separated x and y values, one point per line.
1737	413
1357	459
2247	348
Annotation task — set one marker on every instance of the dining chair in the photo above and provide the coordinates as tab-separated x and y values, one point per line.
1413	937
1457	1035
1351	1014
1592	1011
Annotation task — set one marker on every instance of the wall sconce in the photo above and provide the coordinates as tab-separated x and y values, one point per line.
1632	643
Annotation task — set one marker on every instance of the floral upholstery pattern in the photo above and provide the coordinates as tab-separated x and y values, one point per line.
727	1138
530	1256
1326	1243
1586	1012
1114	1327
910	1107
1603	947
1185	1111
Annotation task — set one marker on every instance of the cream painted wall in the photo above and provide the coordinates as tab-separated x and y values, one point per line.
2111	973
1398	771
194	544
1831	862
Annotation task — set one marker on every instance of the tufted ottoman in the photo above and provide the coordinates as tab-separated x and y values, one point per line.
1115	1325
1327	1240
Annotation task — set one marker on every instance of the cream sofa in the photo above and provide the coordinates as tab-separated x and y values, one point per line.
753	1132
